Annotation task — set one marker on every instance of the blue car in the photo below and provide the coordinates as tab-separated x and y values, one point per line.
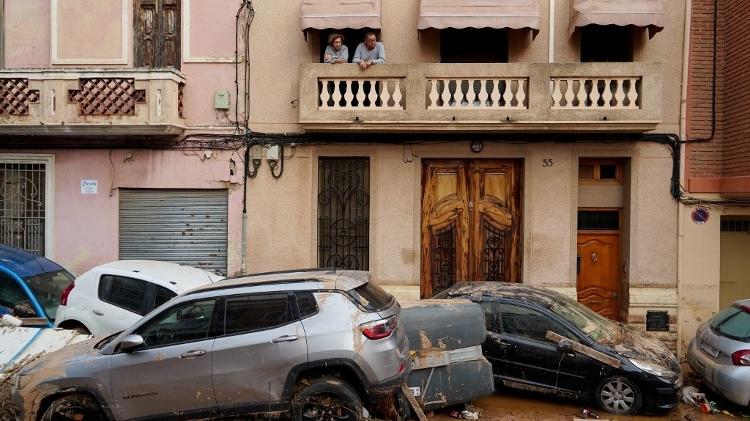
31	286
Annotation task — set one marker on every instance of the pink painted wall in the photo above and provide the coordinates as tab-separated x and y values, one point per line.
89	29
86	226
27	33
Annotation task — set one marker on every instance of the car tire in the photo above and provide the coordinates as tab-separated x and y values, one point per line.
327	398
619	395
75	407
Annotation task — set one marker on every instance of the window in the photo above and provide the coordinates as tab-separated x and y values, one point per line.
344	213
608	43
471	45
372	297
127	293
161	296
257	312
47	288
12	295
187	322
157	33
352	38
733	322
607	220
23	205
600	171
527	323
307	304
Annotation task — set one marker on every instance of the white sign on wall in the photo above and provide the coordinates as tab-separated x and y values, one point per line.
89	187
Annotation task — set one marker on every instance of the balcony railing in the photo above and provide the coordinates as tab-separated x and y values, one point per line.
515	97
102	102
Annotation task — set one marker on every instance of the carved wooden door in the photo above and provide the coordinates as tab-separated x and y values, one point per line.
470	223
157	33
598	272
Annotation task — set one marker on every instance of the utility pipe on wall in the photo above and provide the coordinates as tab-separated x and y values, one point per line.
551	31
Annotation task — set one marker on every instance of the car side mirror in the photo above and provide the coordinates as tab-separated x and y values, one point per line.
131	343
565	345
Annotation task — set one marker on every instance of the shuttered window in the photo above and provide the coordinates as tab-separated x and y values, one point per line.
181	226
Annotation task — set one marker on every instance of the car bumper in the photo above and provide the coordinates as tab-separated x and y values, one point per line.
662	397
730	381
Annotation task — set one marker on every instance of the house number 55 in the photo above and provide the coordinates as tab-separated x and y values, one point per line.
547	162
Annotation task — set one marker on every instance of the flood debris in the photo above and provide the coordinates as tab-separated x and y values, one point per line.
585	350
692	396
7	409
588	414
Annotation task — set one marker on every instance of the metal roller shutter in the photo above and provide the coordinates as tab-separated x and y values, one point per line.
181	226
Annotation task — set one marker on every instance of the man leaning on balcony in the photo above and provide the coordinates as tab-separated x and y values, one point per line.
369	52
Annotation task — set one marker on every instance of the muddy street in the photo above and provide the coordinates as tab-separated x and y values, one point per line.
512	406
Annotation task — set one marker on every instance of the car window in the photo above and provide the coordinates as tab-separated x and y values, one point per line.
372	297
12	295
161	296
527	323
492	316
48	287
307	304
187	322
124	292
257	312
734	324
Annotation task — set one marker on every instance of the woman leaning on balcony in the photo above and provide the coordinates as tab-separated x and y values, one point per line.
336	52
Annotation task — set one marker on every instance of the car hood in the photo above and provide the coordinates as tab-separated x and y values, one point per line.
58	364
631	343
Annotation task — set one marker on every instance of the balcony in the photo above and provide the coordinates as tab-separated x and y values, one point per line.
84	102
474	97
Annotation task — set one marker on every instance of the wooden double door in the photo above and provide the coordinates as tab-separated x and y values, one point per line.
471	225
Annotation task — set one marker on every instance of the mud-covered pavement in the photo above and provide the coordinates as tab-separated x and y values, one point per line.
513	406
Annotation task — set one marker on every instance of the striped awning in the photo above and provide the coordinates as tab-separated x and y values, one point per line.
643	13
513	14
340	14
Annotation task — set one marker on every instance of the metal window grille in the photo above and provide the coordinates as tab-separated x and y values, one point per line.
344	213
735	225
22	206
598	220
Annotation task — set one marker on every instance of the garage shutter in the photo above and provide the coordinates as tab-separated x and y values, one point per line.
181	226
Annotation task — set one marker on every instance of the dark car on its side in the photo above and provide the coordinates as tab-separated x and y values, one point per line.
622	370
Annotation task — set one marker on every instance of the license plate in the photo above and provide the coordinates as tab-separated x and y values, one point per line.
709	349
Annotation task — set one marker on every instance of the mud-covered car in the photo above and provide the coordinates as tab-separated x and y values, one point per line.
542	341
313	344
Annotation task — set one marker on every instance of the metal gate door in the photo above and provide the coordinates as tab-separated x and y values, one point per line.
23	210
181	226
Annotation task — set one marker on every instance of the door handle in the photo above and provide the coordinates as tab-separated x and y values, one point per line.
504	345
285	338
97	312
193	354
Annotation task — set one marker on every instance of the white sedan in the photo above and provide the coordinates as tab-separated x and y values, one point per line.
111	297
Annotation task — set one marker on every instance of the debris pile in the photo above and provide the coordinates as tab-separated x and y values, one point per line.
7	377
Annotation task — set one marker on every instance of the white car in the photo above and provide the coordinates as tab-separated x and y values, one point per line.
111	297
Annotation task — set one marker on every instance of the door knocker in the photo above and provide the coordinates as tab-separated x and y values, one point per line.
594	256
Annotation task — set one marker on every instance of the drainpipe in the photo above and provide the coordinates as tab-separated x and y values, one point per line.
681	208
551	31
243	267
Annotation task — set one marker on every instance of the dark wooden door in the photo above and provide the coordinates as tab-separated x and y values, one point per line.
598	272
470	222
157	32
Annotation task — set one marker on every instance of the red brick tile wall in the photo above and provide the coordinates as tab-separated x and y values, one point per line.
728	155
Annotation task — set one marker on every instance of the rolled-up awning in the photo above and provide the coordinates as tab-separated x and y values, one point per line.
513	14
643	13
340	14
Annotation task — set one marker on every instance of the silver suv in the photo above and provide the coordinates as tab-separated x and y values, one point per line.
311	344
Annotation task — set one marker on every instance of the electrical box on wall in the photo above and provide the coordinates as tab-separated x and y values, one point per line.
272	154
221	100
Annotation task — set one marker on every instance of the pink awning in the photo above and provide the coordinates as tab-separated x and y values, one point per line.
514	14
340	14
643	13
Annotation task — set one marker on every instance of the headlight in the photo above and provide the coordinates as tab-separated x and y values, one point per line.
655	369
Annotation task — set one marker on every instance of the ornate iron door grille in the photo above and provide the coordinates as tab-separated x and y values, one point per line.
22	210
344	213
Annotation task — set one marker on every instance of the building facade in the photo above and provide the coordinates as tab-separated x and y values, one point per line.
715	216
521	142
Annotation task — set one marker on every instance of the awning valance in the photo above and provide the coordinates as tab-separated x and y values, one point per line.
644	13
340	14
513	14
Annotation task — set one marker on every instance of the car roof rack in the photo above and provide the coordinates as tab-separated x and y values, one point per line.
215	287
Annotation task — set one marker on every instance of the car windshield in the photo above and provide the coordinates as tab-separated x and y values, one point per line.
47	288
592	324
733	322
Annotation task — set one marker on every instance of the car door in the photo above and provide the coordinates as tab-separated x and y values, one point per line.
122	302
524	353
263	340
171	373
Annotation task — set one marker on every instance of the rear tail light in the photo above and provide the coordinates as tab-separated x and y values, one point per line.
380	329
741	357
66	292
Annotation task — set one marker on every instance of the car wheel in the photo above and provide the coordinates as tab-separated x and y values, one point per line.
75	407
81	330
619	395
327	399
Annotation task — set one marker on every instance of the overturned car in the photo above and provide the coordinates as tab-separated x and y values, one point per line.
542	341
